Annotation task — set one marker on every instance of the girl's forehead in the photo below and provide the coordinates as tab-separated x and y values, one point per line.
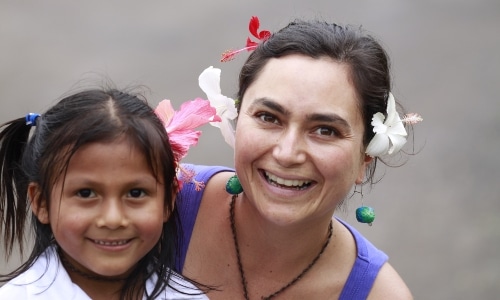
67	154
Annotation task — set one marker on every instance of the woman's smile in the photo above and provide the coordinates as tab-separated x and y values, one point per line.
305	116
294	184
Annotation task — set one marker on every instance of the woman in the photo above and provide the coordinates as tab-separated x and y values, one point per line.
304	138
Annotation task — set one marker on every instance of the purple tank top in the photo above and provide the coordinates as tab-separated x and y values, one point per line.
368	262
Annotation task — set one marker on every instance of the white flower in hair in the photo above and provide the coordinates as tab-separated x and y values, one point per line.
209	81
390	133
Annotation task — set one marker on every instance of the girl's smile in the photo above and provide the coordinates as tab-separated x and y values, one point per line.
113	245
108	211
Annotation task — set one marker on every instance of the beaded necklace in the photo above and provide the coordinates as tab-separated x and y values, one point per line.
240	266
69	266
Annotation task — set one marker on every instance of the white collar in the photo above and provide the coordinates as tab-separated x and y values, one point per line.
48	279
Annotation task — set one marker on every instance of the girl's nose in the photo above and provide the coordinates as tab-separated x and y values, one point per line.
112	214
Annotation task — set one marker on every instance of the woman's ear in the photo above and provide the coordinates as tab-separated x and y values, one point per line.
366	161
38	204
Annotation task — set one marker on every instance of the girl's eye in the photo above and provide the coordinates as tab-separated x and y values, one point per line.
136	193
327	131
86	193
268	118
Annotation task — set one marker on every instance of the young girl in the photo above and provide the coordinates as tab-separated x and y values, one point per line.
99	177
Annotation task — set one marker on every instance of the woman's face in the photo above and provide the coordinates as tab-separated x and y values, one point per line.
109	210
299	139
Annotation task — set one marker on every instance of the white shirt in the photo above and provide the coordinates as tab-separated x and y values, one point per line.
47	279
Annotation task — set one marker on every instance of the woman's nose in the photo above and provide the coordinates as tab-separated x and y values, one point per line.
290	148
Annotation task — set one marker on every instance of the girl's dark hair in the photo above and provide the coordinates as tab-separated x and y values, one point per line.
42	158
367	61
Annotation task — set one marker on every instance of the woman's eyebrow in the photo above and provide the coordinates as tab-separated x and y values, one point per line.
269	103
315	117
329	118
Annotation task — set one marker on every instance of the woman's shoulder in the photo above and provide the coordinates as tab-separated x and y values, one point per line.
203	171
373	270
366	251
389	285
202	179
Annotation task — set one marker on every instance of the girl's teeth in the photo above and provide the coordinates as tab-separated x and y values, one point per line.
115	243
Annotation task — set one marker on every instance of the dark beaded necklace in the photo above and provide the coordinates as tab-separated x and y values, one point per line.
240	266
69	266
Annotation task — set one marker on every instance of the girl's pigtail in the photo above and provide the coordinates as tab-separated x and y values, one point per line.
13	183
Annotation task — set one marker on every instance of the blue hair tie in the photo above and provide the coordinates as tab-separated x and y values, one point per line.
31	119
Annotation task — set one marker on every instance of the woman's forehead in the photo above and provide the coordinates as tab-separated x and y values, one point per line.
308	85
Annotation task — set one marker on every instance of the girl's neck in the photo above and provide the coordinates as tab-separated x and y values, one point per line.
94	285
72	269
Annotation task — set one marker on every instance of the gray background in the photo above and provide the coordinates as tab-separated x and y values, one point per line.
437	216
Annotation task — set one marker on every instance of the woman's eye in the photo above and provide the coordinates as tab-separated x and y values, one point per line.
136	193
327	131
86	193
268	118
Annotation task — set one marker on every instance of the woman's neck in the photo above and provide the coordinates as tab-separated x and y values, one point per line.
265	239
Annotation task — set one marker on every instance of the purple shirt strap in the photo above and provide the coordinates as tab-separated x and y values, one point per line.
188	202
365	269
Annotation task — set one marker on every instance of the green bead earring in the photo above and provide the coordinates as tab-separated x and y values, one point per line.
233	186
365	214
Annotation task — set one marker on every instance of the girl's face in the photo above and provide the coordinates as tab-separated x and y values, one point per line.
299	137
108	211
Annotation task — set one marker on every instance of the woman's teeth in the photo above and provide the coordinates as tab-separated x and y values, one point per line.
277	181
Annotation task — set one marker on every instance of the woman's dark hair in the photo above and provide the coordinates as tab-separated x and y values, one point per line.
367	61
42	157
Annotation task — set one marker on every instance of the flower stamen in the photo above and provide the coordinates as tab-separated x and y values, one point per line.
412	118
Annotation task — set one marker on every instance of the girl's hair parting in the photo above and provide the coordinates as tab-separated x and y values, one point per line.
42	155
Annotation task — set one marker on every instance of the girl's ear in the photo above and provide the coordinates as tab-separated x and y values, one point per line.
366	161
166	212
176	187
38	204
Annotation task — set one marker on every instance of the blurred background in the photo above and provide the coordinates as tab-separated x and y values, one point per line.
438	216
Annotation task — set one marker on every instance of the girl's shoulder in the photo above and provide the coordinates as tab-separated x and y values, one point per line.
45	279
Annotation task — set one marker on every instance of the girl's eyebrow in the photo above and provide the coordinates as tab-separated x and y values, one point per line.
87	180
315	117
